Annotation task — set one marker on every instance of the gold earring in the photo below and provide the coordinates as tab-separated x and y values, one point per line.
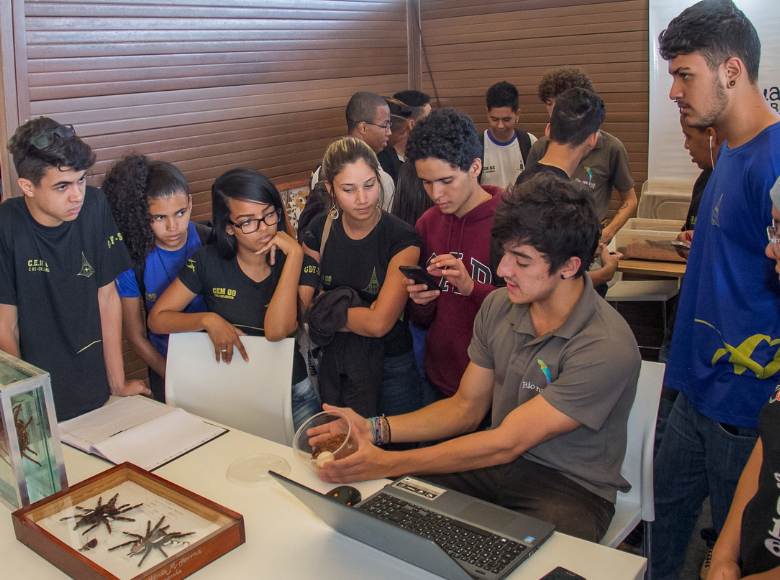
334	212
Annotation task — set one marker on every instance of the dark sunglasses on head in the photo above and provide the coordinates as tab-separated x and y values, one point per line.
46	138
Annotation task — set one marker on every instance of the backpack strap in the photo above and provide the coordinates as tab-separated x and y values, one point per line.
205	232
481	154
524	141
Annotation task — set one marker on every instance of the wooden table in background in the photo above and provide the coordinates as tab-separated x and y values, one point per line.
649	268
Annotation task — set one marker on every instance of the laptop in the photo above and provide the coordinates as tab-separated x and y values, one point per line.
448	533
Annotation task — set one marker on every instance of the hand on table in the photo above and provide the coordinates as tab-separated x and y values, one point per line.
130	388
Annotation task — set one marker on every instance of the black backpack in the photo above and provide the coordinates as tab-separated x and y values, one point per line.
205	233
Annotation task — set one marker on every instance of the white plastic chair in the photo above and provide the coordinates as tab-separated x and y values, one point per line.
638	504
254	396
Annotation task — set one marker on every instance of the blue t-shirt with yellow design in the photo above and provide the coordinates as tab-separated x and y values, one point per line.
161	269
724	353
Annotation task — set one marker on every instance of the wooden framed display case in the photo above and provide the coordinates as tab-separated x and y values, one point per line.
128	524
31	461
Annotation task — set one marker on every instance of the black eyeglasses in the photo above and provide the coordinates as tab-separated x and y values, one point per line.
45	138
771	232
384	126
251	226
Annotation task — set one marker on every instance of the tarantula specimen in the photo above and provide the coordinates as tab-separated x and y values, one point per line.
22	435
101	514
156	538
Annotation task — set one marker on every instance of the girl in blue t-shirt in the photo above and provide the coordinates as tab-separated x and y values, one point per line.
151	204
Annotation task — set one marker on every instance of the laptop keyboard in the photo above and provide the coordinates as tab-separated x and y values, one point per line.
462	541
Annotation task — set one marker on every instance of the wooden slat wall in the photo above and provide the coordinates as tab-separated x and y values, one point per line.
207	84
473	44
211	84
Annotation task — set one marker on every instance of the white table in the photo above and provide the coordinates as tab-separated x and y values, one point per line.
285	540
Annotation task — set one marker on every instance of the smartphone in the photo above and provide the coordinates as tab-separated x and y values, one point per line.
680	244
420	276
562	574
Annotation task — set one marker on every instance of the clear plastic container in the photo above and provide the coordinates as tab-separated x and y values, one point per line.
665	199
334	439
649	239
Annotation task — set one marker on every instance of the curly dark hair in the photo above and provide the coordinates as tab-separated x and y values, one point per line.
63	152
556	81
445	134
503	94
128	186
718	30
555	216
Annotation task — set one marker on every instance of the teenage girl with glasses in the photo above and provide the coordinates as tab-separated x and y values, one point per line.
248	278
151	204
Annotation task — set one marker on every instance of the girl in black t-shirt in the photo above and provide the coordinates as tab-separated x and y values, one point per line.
363	250
248	278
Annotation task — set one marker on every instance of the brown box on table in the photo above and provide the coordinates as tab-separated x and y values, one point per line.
230	533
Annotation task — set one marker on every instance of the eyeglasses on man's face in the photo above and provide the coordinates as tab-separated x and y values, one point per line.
771	232
251	226
384	126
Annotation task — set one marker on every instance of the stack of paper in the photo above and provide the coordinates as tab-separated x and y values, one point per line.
138	430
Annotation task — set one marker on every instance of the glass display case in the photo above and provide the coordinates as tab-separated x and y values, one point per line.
31	461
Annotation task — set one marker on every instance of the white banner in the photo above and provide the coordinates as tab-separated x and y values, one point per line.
667	158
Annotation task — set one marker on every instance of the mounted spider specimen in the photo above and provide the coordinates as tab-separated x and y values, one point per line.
156	537
22	435
101	513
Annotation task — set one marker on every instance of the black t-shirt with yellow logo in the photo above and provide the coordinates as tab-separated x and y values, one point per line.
52	276
233	295
229	292
362	264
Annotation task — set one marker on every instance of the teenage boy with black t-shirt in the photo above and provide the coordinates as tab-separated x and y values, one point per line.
455	235
60	251
504	148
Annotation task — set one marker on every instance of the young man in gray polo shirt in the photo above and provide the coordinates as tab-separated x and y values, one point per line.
556	363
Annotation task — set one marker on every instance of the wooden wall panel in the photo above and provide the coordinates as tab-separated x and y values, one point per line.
472	44
210	84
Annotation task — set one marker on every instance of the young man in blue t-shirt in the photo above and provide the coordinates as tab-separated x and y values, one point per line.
723	354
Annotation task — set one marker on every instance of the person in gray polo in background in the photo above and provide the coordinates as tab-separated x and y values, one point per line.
555	362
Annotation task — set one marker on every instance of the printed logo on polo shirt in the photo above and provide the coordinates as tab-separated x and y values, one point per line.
86	269
226	293
37	266
741	356
114	239
151	297
191	264
776	395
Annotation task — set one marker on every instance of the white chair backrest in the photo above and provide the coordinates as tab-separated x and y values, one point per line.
637	466
254	396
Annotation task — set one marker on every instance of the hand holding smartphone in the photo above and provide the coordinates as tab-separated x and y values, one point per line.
420	276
